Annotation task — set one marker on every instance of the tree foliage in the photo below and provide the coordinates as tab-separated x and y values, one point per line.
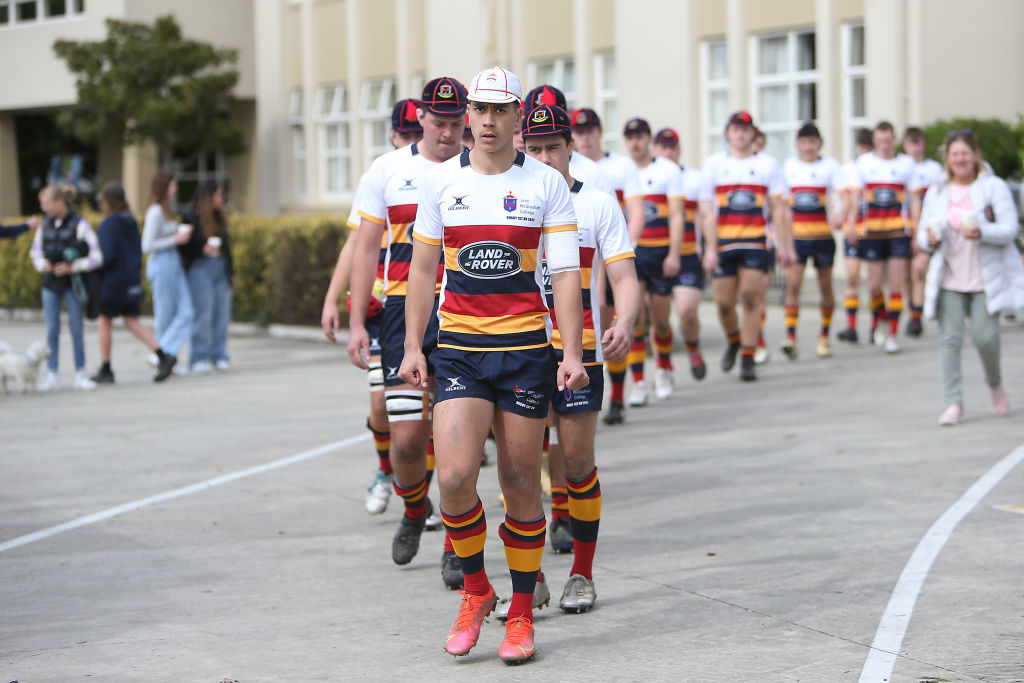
147	82
1000	143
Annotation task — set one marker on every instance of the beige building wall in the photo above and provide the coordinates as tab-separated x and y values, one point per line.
10	187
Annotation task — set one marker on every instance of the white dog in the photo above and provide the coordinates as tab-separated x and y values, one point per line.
22	368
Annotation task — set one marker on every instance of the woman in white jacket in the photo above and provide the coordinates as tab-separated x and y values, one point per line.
969	222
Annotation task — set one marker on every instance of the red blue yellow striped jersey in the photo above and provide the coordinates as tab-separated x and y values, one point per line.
691	189
884	184
811	185
619	170
740	189
659	182
491	229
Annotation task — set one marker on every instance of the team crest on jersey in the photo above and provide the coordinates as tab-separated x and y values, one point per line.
489	260
445	91
806	201
742	200
650	211
539	116
510	202
885	197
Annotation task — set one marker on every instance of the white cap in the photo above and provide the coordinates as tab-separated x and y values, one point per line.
495	85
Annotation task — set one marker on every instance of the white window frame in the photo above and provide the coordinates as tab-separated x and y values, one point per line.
606	99
71	12
852	72
713	138
296	128
340	116
559	67
375	112
186	177
793	77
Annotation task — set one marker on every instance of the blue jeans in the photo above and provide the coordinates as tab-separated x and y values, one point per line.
211	295
172	303
51	309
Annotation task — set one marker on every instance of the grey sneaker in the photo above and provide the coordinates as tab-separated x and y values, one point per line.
578	595
451	571
378	493
406	542
560	533
541	597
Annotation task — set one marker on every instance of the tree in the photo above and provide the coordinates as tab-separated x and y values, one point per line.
150	83
1000	143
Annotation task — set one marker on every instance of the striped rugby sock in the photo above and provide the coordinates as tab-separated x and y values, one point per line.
559	502
792	316
415	497
663	346
851	303
431	461
524	548
617	376
826	319
382	444
637	356
894	310
468	533
585	516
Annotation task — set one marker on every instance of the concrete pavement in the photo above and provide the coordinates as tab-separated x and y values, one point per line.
750	532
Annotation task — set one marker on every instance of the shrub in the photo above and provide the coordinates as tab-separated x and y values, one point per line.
1000	142
282	268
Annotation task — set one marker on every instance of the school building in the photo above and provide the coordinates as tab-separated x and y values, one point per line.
318	77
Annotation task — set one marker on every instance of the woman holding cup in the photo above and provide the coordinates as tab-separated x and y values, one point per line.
172	303
975	272
207	258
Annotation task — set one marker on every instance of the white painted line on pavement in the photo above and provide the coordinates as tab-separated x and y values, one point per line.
178	493
889	636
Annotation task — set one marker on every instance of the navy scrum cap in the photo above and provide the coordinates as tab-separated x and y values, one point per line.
636	126
741	118
808	130
544	94
585	119
444	96
547	119
403	117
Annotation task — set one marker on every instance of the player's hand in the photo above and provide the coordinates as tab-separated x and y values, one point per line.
851	237
571	375
914	249
34	222
616	342
330	320
710	261
414	369
836	225
670	266
358	346
972	233
61	269
786	256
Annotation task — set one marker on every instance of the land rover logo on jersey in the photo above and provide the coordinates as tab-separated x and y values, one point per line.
806	201
539	116
742	200
650	211
489	260
510	202
445	91
885	197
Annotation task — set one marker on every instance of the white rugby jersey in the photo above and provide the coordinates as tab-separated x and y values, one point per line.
619	170
658	182
491	228
586	170
926	174
739	189
602	235
811	187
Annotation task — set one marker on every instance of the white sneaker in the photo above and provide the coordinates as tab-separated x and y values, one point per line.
153	360
761	355
83	382
180	369
378	494
663	383
541	597
638	394
201	367
879	337
49	383
223	364
891	345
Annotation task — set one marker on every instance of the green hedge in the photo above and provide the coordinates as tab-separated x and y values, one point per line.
1001	144
282	268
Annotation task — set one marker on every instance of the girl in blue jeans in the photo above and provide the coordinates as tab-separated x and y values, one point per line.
172	303
207	259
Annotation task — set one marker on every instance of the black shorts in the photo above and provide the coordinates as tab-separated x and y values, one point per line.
520	381
822	253
730	262
113	309
883	249
392	335
373	328
586	400
850	250
649	264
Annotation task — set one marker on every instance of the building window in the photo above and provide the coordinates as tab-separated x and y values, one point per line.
855	108
378	98
560	73
296	126
715	78
24	11
333	122
784	86
197	168
606	98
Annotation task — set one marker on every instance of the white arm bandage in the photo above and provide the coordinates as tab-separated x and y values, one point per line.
562	251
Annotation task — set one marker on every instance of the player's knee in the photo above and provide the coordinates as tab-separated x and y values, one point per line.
724	309
578	464
750	300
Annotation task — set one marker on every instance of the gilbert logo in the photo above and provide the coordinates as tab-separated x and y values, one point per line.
459	203
454	384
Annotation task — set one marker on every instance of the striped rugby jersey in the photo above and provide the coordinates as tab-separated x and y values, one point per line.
491	228
691	189
926	174
619	170
885	184
394	195
354	221
810	193
587	171
658	182
739	190
602	234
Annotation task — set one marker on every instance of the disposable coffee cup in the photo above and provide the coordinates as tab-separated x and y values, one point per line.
184	228
214	242
935	229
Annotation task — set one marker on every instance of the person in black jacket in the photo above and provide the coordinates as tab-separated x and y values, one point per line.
207	261
121	290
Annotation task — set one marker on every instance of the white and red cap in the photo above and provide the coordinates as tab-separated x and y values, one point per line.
495	86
